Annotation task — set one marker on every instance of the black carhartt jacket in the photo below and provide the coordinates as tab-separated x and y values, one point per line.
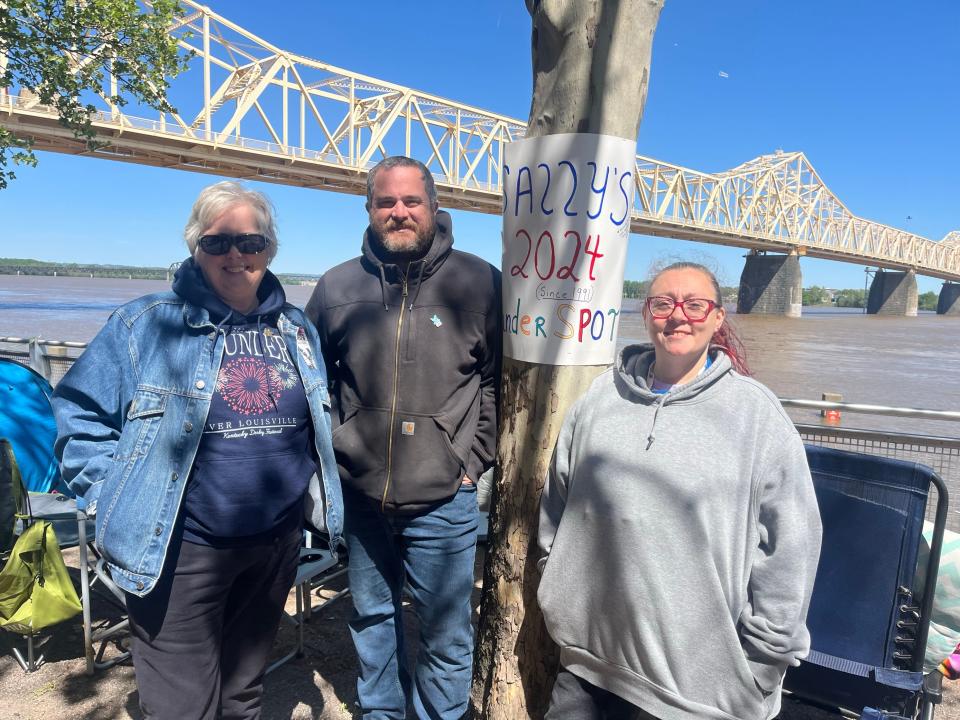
413	358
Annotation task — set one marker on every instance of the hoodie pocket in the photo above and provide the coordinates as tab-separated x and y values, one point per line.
360	445
426	467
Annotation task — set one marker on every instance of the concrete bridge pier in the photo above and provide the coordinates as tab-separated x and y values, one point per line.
949	301
771	285
893	293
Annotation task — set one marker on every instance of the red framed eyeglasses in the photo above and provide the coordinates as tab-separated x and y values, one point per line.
695	310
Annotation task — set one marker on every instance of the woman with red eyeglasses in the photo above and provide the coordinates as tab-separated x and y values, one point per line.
196	429
679	527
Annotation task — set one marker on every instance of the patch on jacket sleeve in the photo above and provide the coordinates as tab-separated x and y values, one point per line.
303	347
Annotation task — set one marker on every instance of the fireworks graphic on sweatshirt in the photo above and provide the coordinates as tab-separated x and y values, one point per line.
283	375
246	384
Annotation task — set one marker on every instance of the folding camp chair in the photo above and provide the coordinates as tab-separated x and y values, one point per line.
868	618
94	573
73	528
52	598
317	567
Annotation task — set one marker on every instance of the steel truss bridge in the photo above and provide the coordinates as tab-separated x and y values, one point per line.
249	109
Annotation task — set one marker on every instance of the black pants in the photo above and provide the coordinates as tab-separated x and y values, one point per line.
573	698
202	637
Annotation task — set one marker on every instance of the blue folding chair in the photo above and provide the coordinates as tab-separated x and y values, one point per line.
868	619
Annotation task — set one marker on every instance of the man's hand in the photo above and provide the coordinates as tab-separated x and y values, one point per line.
466	481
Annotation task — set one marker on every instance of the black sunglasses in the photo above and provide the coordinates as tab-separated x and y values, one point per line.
247	243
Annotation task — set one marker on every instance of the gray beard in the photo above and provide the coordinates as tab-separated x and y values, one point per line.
392	252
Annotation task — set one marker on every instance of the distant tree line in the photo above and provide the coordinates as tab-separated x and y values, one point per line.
817	295
21	266
635	288
16	266
850	298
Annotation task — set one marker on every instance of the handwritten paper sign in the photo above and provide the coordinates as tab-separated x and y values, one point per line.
566	221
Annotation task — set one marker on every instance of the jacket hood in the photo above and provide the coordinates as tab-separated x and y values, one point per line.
415	271
189	284
632	367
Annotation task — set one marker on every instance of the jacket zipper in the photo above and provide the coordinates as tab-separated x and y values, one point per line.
393	407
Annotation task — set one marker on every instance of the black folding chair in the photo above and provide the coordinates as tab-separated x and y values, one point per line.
868	619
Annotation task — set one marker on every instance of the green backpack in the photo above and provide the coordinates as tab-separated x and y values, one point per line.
35	588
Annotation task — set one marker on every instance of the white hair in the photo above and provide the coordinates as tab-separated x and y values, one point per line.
216	199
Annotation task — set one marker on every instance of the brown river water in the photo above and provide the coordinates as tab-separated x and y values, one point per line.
898	361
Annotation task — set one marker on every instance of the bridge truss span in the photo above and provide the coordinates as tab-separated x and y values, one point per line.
778	203
249	109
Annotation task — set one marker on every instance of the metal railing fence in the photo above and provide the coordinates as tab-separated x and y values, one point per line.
50	358
940	453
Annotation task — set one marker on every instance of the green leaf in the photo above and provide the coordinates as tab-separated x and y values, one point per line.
44	40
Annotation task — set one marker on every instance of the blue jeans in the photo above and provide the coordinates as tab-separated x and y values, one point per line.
431	554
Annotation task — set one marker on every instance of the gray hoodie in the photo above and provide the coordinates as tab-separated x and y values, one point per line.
681	536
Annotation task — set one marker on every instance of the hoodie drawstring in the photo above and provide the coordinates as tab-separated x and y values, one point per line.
263	349
216	332
383	287
653	426
419	282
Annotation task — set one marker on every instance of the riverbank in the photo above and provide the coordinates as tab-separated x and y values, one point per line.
319	686
17	267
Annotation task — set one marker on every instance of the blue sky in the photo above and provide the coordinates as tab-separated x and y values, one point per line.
867	89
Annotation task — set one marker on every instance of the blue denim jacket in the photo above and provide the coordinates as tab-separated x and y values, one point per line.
130	415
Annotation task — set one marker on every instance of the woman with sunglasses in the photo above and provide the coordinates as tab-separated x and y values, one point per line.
196	428
680	489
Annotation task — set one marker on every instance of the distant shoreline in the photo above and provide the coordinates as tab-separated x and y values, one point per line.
16	266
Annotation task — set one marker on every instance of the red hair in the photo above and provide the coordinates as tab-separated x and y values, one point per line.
726	339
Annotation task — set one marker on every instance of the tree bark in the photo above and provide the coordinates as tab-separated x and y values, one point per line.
591	61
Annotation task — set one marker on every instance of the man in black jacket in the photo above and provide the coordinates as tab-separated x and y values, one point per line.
411	336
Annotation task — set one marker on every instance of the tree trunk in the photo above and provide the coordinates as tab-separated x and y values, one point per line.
591	61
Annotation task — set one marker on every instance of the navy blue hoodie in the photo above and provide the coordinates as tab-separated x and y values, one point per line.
256	455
